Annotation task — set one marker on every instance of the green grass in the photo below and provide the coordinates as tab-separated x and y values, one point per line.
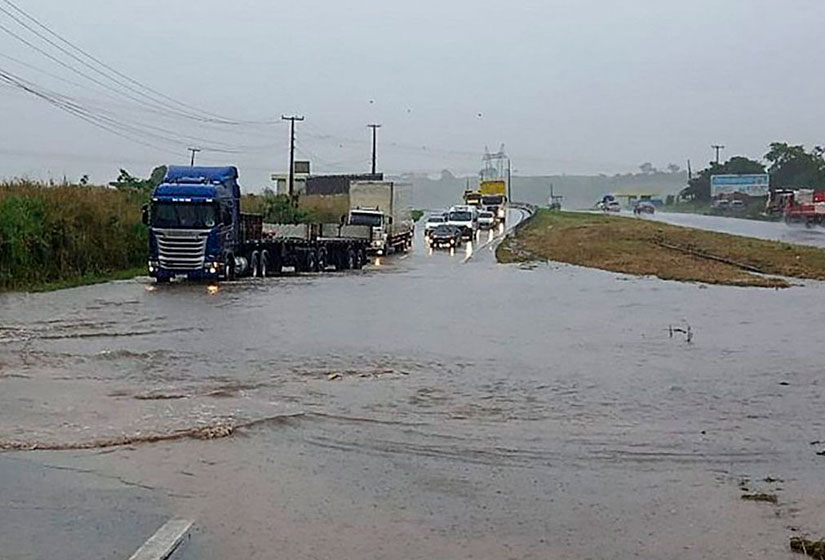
87	280
416	215
645	247
63	235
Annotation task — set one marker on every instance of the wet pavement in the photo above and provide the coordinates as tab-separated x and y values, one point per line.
775	231
430	406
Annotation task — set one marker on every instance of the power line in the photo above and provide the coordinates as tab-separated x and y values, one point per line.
126	130
153	99
142	128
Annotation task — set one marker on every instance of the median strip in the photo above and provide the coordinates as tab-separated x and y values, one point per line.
643	247
164	542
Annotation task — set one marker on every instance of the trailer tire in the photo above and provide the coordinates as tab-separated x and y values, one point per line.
322	260
255	264
311	262
264	263
276	266
352	261
230	266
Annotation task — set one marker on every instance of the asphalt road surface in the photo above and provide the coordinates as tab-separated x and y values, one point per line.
429	406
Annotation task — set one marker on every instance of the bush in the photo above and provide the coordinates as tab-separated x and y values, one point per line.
65	232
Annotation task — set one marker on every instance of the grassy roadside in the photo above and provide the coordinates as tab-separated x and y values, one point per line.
56	236
643	247
86	280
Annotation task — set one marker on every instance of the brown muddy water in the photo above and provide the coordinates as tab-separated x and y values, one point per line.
424	408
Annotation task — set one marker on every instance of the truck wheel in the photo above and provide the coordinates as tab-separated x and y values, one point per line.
351	261
255	264
230	267
275	267
322	260
311	262
265	263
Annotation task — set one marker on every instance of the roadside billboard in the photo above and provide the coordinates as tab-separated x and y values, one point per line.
750	185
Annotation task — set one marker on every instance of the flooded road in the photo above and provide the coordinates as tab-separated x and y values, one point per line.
429	406
775	231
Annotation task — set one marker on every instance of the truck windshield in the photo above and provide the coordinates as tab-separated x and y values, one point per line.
183	215
365	219
493	200
460	216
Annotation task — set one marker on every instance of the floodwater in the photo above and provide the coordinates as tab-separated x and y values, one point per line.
433	406
775	231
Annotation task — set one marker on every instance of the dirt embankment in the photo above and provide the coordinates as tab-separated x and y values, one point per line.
643	247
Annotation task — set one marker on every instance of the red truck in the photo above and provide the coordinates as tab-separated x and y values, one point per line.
805	206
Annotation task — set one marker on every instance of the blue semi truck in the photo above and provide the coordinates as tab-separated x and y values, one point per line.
197	231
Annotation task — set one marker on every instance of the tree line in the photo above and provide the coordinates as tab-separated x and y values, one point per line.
789	166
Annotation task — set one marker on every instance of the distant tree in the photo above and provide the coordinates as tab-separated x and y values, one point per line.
446	175
279	209
699	187
647	168
126	180
673	168
792	166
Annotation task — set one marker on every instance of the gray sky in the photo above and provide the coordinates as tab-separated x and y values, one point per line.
580	86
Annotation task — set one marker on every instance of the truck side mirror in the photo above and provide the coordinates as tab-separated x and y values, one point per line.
144	214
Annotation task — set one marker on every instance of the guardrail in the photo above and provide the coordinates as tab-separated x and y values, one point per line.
529	209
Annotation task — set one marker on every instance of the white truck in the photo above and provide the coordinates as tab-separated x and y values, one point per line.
465	218
385	207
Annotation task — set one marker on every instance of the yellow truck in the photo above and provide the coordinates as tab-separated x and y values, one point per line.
494	198
491	188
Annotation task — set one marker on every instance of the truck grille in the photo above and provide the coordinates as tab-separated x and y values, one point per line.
181	249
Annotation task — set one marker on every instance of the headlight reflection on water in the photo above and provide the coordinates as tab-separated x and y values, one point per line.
212	289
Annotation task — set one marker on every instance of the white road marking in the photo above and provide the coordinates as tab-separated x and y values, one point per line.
163	543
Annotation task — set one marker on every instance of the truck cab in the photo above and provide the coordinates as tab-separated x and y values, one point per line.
194	223
465	218
380	224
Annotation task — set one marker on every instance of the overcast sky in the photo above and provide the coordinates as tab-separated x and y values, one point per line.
578	86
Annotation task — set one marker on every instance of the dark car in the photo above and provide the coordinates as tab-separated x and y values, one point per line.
445	236
644	207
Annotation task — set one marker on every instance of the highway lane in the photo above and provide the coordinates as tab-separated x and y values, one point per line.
424	407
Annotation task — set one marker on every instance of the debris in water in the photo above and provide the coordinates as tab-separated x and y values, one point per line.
771	479
821	453
760	497
334	376
159	396
218	430
814	549
687	331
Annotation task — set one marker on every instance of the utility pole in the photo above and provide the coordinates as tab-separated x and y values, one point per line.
192	159
374	128
717	148
291	120
509	191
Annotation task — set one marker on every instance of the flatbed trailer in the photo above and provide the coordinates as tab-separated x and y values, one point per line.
267	249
